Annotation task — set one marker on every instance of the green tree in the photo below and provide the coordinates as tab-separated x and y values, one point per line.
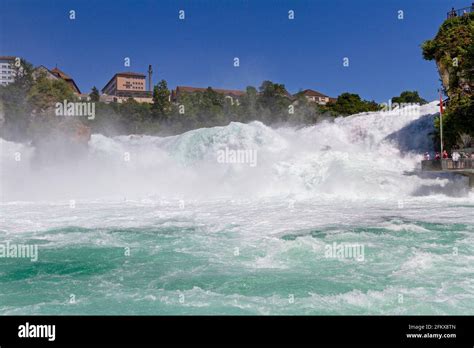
211	111
42	98
108	120
409	97
350	104
453	51
273	102
161	100
135	115
94	95
247	109
45	93
14	100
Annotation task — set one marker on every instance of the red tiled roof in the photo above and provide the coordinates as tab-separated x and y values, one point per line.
8	57
62	75
312	93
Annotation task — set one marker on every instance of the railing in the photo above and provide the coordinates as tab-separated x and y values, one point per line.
462	163
461	12
447	164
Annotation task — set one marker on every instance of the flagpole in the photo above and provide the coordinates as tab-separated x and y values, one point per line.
441	121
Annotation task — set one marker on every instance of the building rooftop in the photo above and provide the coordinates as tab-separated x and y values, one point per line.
129	73
62	75
313	93
217	90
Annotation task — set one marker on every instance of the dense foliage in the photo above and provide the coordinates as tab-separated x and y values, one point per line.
28	105
15	104
453	51
411	97
349	104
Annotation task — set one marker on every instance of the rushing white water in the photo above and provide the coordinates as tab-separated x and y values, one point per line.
238	238
359	156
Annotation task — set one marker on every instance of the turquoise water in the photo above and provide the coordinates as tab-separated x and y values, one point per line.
173	230
241	257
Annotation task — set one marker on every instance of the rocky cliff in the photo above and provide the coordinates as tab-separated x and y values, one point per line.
453	51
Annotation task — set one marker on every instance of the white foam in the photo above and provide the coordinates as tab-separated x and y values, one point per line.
358	156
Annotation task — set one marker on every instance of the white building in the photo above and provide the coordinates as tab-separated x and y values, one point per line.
7	71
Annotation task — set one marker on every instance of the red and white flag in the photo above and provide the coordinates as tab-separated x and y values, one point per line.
441	109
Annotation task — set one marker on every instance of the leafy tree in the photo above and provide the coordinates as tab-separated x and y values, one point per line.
409	97
211	108
14	98
273	102
45	93
202	109
108	120
247	110
42	98
350	104
453	50
161	100
94	95
16	108
134	114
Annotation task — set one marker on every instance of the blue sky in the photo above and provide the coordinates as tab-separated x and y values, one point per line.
307	52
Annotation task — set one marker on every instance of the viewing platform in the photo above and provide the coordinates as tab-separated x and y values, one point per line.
461	12
463	166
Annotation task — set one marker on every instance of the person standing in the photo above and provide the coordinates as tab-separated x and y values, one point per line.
452	14
455	156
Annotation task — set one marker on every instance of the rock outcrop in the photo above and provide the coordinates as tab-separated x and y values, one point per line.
453	51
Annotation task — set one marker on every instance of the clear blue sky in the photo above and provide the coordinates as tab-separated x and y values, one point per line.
307	52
